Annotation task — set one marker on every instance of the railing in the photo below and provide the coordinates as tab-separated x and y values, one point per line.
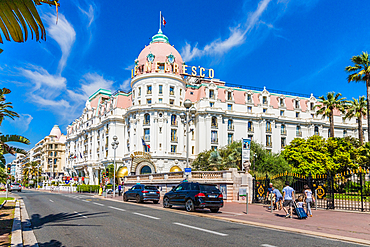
268	130
207	175
299	133
230	127
251	129
174	139
283	132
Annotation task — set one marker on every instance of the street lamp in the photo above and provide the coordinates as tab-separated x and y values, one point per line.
114	146
185	119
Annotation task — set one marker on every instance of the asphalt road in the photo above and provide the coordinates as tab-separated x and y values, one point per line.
82	220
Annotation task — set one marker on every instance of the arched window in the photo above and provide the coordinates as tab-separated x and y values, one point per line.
214	122
145	170
147	119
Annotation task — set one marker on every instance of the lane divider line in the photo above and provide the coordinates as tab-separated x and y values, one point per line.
81	215
99	204
148	216
268	245
51	200
85	201
121	209
201	229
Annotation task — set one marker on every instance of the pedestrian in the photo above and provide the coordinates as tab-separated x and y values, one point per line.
309	199
269	194
278	198
288	198
119	190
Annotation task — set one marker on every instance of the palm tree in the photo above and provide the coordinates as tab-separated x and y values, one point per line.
361	72
17	16
328	105
215	160
7	149
5	106
357	109
31	169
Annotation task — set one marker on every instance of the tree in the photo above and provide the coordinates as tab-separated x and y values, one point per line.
111	170
31	170
361	72
3	175
327	106
317	155
357	109
6	106
17	16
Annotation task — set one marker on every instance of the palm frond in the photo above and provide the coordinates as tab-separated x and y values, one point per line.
14	138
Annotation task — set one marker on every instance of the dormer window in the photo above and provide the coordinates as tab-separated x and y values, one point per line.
229	96
264	100
281	102
297	104
211	94
249	98
312	106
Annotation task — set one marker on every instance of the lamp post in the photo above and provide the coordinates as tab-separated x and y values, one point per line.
185	119
114	146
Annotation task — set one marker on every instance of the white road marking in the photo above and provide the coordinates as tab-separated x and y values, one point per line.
267	245
152	217
51	200
99	204
201	229
81	214
85	201
121	209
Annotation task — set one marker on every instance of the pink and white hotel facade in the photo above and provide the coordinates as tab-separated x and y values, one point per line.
160	83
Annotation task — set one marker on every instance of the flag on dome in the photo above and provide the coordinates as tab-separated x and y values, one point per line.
163	20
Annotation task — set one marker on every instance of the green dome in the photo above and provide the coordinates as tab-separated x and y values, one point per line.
159	37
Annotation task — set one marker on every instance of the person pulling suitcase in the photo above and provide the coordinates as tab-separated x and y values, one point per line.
299	208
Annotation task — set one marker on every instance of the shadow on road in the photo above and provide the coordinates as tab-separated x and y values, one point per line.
37	221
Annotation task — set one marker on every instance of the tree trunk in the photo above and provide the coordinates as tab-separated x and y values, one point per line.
360	133
331	119
368	105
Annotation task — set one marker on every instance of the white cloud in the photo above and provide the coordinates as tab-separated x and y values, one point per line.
63	33
126	85
92	82
90	14
236	37
22	123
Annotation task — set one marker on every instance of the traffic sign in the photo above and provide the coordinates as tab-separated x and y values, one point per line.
187	171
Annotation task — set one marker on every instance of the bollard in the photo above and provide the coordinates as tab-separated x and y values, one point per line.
246	204
272	208
315	199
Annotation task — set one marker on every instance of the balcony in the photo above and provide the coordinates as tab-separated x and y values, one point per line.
230	127
269	130
146	123
269	144
250	129
214	126
299	133
174	123
283	131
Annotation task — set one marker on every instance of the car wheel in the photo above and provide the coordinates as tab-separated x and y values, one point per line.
166	203
125	198
138	198
189	205
214	210
155	202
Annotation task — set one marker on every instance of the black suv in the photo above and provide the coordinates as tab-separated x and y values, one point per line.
194	195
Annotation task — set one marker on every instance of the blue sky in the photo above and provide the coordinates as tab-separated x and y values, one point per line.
289	45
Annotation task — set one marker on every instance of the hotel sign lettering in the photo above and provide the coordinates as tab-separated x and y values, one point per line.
168	67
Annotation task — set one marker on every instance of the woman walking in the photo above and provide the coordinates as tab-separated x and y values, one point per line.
309	199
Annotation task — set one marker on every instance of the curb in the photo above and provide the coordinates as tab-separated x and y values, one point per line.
245	222
29	237
16	239
3	204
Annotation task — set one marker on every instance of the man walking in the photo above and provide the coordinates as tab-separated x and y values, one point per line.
288	198
119	190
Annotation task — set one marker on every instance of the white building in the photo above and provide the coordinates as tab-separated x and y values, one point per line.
150	113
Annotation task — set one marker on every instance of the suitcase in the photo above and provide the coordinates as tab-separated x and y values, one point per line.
300	212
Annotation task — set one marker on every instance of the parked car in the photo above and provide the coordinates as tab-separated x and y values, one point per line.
141	193
15	186
194	195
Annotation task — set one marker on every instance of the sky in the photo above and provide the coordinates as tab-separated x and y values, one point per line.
289	45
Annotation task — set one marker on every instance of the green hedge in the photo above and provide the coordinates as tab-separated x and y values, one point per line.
87	188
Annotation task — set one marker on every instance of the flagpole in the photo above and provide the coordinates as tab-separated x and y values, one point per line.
160	20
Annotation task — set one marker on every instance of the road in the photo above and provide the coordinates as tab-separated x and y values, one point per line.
82	220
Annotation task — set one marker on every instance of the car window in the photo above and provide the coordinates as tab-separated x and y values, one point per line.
185	186
178	188
208	188
150	188
194	186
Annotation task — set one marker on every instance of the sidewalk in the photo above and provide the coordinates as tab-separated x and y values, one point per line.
324	222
